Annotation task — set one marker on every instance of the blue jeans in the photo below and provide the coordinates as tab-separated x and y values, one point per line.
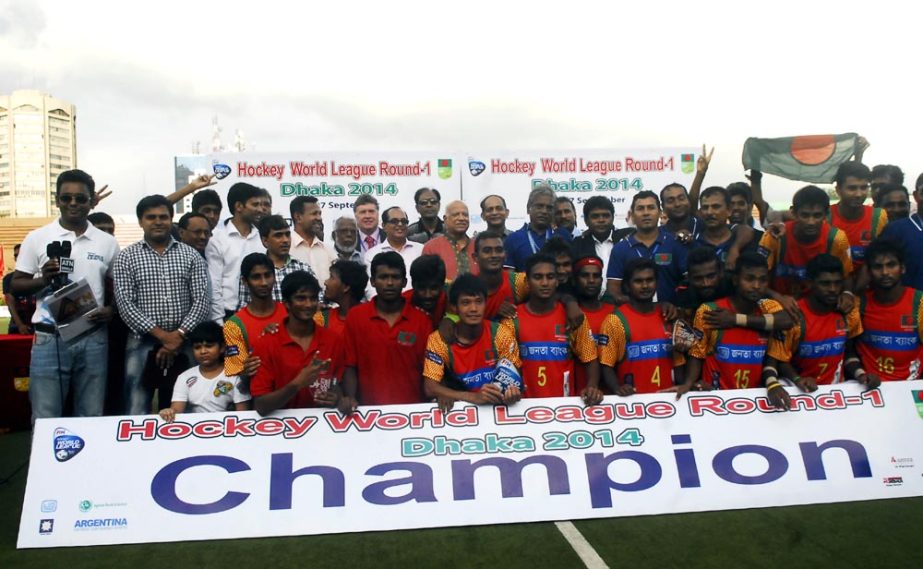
138	398
57	367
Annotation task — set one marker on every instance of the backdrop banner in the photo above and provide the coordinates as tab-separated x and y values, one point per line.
336	179
112	480
617	174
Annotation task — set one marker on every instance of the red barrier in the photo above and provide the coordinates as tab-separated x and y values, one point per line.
15	410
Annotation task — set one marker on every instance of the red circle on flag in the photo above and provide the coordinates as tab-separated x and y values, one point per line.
813	150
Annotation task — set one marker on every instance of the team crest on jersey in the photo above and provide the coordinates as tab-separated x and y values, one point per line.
841	327
865	237
663	258
406	338
907	322
223	388
560	332
489	358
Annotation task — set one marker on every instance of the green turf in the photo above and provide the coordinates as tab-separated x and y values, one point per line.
4	325
866	535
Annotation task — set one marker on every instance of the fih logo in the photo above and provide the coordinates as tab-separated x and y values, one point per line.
66	444
476	167
222	171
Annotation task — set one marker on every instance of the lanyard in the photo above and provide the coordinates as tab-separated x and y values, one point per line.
532	242
914	222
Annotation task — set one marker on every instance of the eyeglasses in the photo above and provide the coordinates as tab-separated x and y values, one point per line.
432	201
398	221
77	198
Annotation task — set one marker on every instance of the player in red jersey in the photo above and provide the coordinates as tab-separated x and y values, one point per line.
385	342
889	348
346	288
302	363
482	365
261	315
588	283
811	353
732	358
804	238
505	287
547	349
427	274
635	342
861	223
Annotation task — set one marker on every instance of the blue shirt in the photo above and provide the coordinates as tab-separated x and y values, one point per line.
668	254
523	243
909	233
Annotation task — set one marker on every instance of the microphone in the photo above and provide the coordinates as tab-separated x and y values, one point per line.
60	250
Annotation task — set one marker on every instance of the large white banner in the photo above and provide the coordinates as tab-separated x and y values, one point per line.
336	179
115	480
617	174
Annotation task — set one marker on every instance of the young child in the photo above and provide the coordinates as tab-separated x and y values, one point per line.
204	388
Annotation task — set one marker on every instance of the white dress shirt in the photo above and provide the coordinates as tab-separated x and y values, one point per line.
318	255
225	250
409	252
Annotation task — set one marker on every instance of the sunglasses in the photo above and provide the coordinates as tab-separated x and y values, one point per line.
78	198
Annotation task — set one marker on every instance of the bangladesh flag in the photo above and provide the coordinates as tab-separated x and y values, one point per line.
688	163
444	168
918	399
812	158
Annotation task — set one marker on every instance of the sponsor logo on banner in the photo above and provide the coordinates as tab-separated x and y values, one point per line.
918	399
688	163
221	171
45	527
66	444
476	167
85	506
49	506
902	462
893	481
101	524
444	168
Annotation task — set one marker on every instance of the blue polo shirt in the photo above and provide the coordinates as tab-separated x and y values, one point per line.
523	243
909	233
668	254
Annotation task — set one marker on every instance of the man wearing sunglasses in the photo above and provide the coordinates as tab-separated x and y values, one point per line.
429	225
80	365
394	220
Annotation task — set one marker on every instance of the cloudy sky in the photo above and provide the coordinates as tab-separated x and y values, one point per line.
147	78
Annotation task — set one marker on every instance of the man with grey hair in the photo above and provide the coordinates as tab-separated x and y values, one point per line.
345	235
454	247
527	240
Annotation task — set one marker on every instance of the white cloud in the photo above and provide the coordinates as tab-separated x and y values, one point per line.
147	78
